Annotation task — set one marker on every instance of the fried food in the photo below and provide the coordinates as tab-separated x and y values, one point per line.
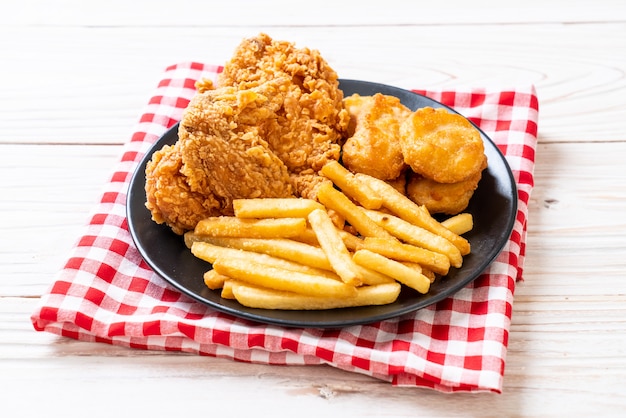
230	226
444	152
263	298
459	224
372	146
353	214
446	198
407	276
396	250
272	121
409	211
326	272
224	152
308	129
441	146
418	236
255	185
276	207
169	196
333	246
272	277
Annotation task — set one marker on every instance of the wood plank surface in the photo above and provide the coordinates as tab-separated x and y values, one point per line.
76	78
61	97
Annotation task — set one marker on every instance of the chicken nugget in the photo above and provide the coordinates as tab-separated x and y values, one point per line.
372	146
441	146
446	198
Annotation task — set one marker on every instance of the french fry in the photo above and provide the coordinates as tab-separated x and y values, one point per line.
406	209
350	185
399	251
373	277
213	280
332	244
209	252
255	297
351	241
291	254
417	236
274	207
190	237
227	289
340	203
406	275
413	266
430	274
229	226
287	249
269	276
307	237
459	224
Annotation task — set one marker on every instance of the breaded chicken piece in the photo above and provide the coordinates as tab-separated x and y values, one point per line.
224	152
441	145
446	198
372	146
265	129
220	156
169	197
309	127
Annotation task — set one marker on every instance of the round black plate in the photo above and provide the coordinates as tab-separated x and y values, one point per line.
493	206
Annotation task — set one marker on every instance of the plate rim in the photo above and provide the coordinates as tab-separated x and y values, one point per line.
257	316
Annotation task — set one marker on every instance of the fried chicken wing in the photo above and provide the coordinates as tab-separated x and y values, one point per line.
372	146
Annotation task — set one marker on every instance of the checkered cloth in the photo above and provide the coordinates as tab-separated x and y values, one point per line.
107	293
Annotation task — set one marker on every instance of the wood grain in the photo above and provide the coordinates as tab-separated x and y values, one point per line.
75	80
62	99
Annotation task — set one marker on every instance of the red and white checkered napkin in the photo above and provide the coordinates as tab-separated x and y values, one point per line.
107	293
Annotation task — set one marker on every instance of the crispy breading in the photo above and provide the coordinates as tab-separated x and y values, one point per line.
441	145
372	146
446	198
308	129
169	197
222	143
272	120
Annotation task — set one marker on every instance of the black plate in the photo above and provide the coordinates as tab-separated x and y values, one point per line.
493	206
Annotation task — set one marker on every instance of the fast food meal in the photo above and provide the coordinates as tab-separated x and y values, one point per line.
299	198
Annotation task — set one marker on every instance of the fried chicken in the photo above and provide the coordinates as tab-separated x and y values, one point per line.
221	137
309	127
169	196
274	119
372	146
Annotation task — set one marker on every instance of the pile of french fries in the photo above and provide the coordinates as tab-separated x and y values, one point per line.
356	246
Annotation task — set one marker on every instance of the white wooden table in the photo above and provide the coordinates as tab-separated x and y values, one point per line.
75	78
